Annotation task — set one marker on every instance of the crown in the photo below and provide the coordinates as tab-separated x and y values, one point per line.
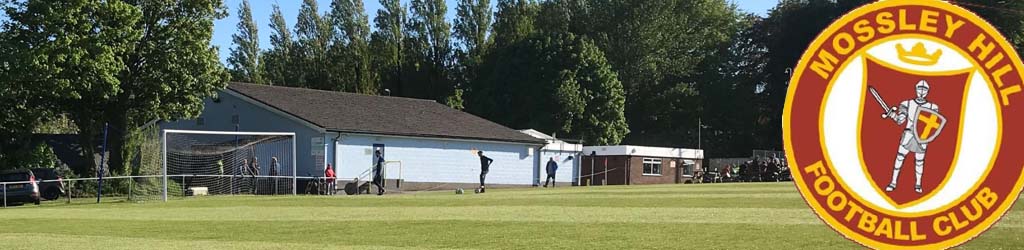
918	55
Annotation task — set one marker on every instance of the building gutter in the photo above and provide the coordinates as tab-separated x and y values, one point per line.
435	137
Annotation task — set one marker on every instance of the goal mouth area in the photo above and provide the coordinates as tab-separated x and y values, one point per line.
215	162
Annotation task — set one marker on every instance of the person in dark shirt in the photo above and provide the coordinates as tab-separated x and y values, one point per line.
254	172
551	168
378	173
485	165
274	171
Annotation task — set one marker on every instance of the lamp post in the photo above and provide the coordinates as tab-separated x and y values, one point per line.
700	127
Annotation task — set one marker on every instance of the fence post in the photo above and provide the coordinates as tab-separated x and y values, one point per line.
103	157
129	188
70	190
5	194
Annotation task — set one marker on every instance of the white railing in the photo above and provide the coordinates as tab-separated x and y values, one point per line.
367	175
401	177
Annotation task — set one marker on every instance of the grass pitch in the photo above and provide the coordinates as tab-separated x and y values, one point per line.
709	216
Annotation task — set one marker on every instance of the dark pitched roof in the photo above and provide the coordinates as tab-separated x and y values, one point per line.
358	113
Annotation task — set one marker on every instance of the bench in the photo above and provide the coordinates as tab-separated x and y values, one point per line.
199	191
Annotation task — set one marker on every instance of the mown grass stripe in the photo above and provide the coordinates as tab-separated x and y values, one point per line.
726	216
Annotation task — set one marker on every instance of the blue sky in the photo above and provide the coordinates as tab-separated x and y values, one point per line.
261	9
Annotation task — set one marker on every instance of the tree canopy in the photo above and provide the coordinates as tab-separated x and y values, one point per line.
245	60
115	64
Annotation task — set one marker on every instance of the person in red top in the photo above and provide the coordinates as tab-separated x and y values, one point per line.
329	175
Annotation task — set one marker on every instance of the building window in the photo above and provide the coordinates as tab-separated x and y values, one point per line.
652	166
688	167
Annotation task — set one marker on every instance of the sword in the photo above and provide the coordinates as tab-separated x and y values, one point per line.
881	102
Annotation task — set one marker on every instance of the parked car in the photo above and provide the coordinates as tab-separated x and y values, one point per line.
23	190
51	184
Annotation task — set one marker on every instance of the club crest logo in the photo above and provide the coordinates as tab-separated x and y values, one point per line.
902	125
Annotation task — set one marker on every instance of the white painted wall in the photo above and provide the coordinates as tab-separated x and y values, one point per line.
568	169
438	160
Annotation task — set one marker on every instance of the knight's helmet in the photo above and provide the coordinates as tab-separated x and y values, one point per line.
922	89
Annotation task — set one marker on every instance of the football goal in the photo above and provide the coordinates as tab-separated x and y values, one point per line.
228	163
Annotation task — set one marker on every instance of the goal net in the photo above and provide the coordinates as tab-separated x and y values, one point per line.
228	163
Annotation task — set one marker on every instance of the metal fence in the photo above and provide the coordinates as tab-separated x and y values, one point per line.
768	154
151	188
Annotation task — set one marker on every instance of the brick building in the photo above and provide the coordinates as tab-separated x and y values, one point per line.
631	165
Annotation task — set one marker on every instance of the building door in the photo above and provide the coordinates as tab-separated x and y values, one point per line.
373	164
376	148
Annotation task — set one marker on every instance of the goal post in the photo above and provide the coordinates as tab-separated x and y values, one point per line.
200	162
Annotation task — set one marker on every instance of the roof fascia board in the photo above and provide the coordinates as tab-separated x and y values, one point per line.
435	137
643	151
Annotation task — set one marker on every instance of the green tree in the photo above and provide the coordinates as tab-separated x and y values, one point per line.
789	28
352	46
245	56
656	48
55	59
23	102
513	23
150	60
471	26
1006	16
545	92
277	62
472	22
172	68
549	79
784	35
314	33
726	81
387	43
428	43
603	121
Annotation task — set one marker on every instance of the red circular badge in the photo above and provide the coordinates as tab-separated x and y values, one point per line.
900	125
